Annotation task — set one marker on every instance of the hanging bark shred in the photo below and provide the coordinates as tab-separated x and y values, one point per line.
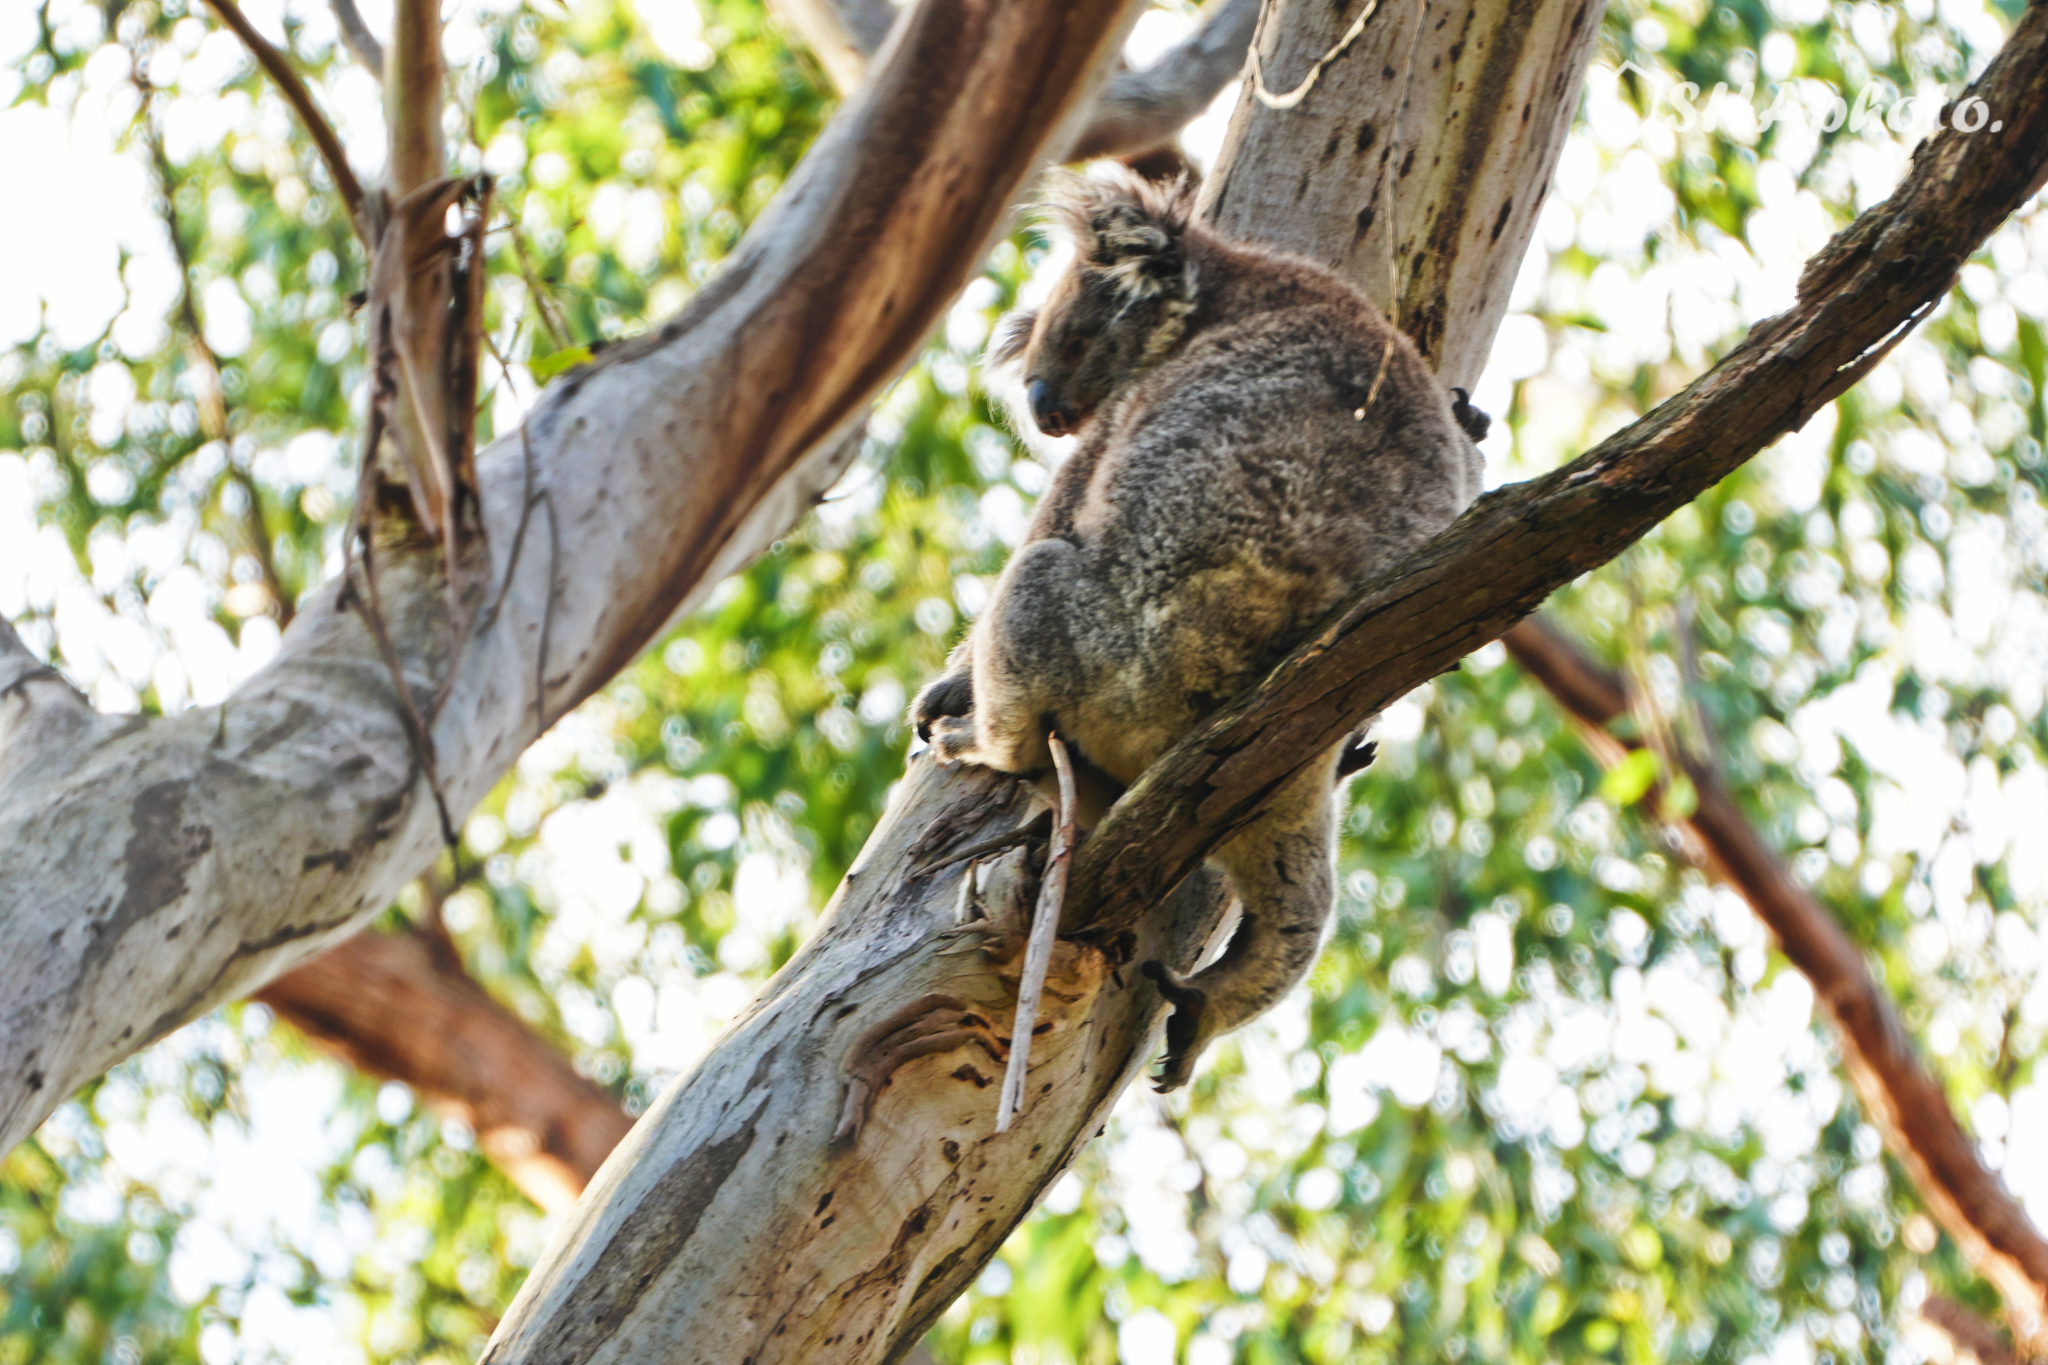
1045	921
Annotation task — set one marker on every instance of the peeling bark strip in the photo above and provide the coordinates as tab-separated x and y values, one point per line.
400	1006
1516	545
1906	1100
673	460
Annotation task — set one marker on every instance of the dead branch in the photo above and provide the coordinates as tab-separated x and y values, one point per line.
1059	854
1899	1093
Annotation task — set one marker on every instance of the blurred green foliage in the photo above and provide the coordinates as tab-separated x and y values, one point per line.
1281	1211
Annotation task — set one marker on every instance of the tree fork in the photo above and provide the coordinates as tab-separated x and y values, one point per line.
734	1175
152	869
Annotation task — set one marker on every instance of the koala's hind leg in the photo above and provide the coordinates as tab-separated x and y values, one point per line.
1023	663
1283	869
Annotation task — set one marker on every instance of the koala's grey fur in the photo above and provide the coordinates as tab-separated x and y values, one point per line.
1255	440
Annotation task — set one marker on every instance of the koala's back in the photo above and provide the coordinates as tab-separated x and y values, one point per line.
1229	499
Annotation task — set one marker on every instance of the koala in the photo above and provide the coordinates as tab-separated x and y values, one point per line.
1255	440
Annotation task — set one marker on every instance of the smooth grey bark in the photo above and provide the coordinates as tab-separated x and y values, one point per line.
151	869
1134	112
1424	193
829	1178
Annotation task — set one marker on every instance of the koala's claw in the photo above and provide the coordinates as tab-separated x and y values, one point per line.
949	695
1184	1041
1476	422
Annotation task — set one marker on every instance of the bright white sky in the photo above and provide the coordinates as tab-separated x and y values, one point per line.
1728	1068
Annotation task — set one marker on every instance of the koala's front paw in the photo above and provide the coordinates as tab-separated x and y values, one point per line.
952	739
951	694
1185	1037
1474	421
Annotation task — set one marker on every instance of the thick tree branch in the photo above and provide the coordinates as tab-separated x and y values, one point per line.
889	1027
1518	544
293	88
1899	1093
1135	112
44	720
180	862
400	1006
1433	134
1968	1332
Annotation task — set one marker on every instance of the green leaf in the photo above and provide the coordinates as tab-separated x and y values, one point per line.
568	358
1627	780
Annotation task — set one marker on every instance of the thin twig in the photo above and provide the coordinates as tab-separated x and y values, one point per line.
213	403
301	100
1300	92
1038	824
1045	922
258	527
371	609
557	329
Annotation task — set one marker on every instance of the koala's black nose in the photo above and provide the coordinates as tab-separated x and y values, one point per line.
1046	410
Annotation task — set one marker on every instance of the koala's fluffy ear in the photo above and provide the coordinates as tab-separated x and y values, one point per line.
1012	337
1126	225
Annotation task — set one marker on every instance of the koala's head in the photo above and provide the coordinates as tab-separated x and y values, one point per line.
1118	309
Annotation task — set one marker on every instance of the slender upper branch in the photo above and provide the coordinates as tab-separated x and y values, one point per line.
1136	111
414	70
301	99
362	44
1519	544
1142	109
1900	1094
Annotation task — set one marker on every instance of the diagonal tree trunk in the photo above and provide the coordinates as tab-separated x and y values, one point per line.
151	869
837	1145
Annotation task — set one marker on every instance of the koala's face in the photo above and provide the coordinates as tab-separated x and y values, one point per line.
1116	311
1091	338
